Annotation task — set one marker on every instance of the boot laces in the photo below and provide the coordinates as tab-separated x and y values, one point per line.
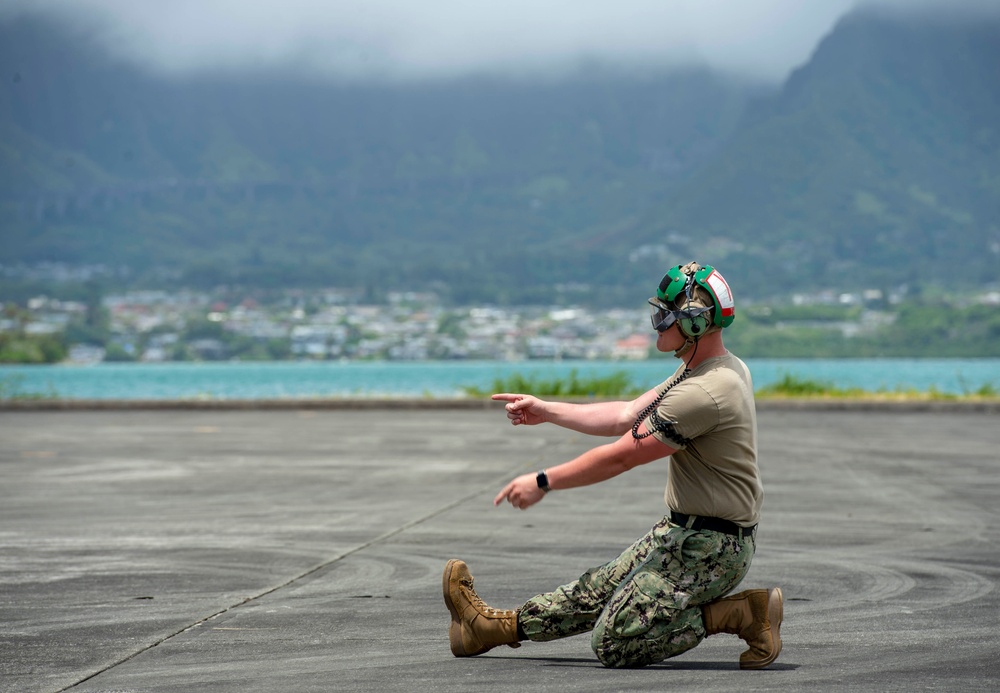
482	606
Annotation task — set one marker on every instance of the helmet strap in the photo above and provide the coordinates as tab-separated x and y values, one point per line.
685	348
689	343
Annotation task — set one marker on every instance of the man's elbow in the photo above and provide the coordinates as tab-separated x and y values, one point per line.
625	422
631	460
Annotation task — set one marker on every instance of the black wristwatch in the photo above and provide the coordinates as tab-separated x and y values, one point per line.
543	481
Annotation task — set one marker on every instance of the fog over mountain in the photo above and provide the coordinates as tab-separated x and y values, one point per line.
391	40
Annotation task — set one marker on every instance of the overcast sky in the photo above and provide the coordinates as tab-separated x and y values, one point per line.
402	39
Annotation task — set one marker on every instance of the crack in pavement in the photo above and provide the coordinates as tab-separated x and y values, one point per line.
325	564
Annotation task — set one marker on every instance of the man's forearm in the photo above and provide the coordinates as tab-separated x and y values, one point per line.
606	461
598	418
592	467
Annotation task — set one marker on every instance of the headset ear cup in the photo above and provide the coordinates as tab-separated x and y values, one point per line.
702	323
684	325
693	327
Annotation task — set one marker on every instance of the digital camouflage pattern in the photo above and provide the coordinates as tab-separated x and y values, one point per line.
645	605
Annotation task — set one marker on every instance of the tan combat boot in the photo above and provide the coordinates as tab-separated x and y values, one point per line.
475	627
755	616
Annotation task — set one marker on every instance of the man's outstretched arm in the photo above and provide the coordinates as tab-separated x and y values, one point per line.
597	418
592	467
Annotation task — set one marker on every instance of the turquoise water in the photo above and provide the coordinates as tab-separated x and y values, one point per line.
446	379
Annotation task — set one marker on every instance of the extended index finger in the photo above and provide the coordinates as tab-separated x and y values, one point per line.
506	397
503	494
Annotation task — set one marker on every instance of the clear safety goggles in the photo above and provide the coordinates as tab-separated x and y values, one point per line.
663	317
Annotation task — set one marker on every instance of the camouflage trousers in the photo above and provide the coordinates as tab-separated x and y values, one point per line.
645	605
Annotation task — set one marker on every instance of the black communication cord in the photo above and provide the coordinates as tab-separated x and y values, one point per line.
655	422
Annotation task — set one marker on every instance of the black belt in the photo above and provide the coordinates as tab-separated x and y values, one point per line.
715	524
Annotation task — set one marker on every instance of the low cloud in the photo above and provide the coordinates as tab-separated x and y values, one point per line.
432	39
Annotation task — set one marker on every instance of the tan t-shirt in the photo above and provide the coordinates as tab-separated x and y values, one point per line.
714	471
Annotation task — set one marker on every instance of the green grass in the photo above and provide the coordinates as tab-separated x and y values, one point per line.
794	386
619	385
791	386
614	385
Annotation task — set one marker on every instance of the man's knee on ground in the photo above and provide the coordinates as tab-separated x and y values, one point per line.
621	652
617	652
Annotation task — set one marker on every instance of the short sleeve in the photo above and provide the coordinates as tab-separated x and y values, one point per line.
686	412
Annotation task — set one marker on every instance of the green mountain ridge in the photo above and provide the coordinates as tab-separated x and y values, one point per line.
877	162
874	165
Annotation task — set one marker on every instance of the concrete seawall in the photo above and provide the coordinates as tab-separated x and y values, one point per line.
353	403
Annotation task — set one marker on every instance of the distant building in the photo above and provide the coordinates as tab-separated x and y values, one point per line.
633	348
85	354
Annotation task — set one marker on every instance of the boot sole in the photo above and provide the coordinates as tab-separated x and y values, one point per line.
455	629
775	612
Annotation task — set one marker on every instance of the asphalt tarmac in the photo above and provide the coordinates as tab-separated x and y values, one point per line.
302	550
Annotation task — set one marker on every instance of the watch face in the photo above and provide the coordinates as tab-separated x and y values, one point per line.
543	481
